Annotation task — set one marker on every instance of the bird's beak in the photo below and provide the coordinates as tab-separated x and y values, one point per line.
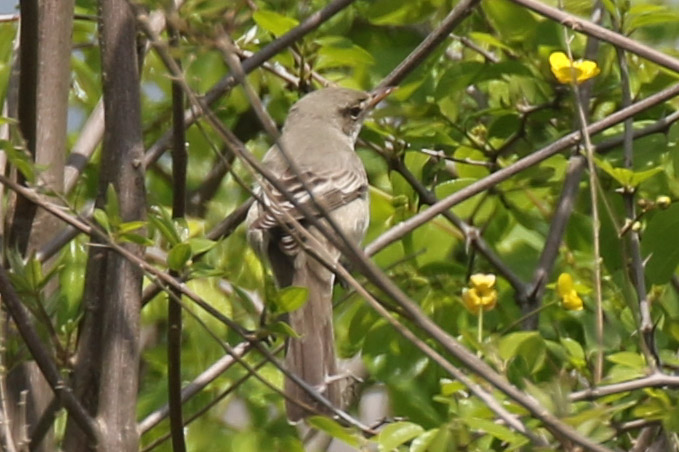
378	95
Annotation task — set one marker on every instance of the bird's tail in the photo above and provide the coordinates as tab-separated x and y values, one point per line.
312	356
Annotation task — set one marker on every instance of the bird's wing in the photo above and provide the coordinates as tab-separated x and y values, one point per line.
331	189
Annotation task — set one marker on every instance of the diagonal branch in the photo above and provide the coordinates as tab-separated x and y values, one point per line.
584	26
559	145
21	318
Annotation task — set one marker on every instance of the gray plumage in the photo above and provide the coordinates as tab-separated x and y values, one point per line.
319	137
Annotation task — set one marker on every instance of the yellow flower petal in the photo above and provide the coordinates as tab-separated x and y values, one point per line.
572	301
567	71
558	60
471	300
564	284
587	69
482	281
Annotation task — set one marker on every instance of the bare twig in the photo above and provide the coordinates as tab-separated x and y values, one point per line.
565	142
633	239
655	380
21	318
584	26
193	388
174	309
225	84
461	10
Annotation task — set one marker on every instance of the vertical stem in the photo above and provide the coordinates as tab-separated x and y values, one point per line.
596	223
633	239
479	334
596	226
174	310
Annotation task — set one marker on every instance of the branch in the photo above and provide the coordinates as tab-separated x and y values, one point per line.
21	318
655	380
225	84
193	388
493	179
417	56
174	309
591	29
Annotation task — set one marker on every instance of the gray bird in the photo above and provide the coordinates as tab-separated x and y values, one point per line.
318	137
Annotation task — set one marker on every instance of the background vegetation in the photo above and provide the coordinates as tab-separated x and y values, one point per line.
479	121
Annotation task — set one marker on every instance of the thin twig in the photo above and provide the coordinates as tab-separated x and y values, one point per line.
655	380
311	23
461	10
198	384
21	318
633	238
584	26
493	179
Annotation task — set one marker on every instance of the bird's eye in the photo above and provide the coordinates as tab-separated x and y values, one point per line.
355	112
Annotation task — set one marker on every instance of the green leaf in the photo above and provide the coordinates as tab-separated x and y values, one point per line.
161	220
510	344
626	177
335	430
130	226
498	431
101	218
575	352
291	298
627	359
201	245
178	256
282	328
273	22
337	51
112	206
663	259
393	435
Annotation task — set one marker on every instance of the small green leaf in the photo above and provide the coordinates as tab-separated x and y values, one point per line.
626	177
291	298
201	245
337	51
130	226
498	431
282	328
575	352
663	259
393	435
101	218
274	23
112	206
509	345
178	256
139	239
627	359
335	430
161	220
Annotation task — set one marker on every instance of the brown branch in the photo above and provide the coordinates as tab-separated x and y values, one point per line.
311	23
591	29
565	142
463	9
193	388
174	309
633	237
42	357
655	380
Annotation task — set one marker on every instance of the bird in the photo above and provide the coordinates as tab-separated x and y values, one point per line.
314	152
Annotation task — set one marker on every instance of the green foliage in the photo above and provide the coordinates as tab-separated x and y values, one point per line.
481	103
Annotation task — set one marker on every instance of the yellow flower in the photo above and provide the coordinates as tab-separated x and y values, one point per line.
567	71
663	201
482	293
569	296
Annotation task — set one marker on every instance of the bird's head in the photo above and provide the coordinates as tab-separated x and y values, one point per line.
340	108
